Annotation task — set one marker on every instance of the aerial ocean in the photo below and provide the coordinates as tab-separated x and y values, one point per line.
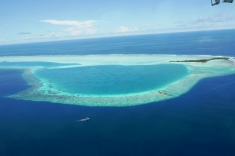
199	122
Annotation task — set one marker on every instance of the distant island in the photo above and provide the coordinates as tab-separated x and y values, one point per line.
203	60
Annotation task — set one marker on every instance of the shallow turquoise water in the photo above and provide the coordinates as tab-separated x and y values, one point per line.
113	79
32	64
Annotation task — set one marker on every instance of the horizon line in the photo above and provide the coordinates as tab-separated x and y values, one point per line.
117	35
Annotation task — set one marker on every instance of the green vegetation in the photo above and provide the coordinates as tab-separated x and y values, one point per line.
203	60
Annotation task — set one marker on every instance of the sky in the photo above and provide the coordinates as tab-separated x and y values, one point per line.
25	21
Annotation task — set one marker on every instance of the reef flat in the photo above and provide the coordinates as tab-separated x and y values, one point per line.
45	87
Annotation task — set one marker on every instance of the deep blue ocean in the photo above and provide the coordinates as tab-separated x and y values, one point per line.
200	122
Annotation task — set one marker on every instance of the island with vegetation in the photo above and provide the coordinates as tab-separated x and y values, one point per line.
203	60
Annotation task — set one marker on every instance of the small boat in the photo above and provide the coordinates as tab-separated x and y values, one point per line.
86	119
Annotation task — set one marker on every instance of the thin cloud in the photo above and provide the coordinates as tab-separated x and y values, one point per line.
24	33
219	15
218	21
77	27
181	25
229	18
179	22
88	23
2	40
218	18
123	29
50	35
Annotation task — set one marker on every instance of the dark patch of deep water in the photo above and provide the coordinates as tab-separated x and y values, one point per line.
11	82
200	122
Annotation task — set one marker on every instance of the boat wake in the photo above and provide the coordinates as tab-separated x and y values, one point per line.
81	120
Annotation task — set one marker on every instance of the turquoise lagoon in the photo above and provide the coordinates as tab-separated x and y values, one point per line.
30	64
111	80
